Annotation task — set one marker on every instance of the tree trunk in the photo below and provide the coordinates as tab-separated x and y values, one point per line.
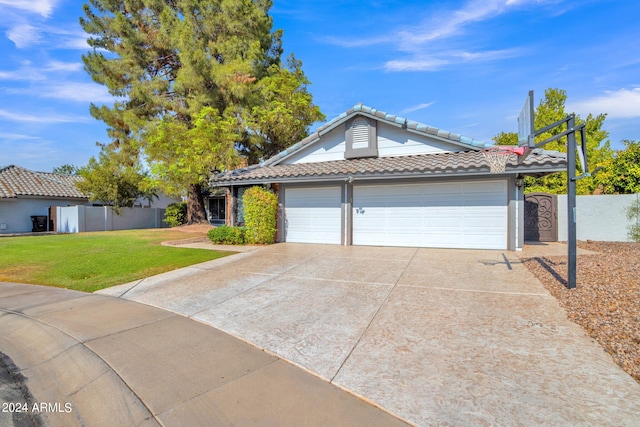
196	213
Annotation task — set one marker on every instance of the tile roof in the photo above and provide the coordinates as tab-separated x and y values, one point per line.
360	109
441	164
20	182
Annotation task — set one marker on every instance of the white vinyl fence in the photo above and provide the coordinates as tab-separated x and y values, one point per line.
76	219
600	218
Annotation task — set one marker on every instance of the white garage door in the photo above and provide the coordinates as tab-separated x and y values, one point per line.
313	215
440	215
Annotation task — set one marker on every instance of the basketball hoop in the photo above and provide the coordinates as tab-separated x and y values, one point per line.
498	156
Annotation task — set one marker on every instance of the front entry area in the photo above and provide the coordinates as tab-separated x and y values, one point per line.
217	210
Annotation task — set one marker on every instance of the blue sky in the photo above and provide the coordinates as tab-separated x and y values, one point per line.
463	66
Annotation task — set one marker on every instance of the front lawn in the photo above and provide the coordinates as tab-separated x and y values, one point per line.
92	261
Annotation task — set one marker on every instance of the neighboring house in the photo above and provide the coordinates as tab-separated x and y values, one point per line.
371	178
26	199
25	194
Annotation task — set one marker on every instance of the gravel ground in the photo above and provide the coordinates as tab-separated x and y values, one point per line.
606	300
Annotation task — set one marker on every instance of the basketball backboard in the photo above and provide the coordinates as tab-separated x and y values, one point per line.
525	126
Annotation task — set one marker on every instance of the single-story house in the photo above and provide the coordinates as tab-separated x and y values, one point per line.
30	201
27	196
372	178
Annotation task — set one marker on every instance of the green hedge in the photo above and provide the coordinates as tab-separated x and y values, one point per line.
260	211
176	214
228	235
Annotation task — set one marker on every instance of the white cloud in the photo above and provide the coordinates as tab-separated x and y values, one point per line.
427	42
67	91
29	72
415	64
69	38
619	104
351	42
23	35
25	73
77	92
451	25
41	118
441	59
63	66
416	108
39	7
17	136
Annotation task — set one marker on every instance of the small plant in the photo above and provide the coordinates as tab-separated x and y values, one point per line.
633	215
260	211
176	214
226	235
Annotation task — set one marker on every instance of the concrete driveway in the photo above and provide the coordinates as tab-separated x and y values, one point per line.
438	337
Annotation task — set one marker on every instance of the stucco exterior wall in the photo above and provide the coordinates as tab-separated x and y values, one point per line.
15	214
599	218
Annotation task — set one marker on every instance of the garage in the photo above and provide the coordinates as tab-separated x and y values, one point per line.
464	214
313	215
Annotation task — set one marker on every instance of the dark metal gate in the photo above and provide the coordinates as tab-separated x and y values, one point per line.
541	217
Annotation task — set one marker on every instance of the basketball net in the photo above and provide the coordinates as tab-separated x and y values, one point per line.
498	156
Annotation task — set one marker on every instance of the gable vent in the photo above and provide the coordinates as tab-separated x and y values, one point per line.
360	133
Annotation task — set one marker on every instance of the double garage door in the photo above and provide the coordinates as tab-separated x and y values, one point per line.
439	215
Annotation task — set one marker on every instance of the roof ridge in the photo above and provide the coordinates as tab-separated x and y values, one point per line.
396	120
412	124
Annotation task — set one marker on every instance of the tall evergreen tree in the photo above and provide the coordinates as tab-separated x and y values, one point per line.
190	80
552	109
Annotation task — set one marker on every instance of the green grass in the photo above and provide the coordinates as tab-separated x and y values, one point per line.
92	261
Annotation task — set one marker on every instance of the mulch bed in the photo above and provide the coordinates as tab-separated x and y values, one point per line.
606	300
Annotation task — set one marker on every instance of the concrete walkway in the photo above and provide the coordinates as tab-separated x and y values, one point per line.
96	360
439	337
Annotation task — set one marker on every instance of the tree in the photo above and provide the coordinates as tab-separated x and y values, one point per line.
181	69
621	173
182	155
113	182
281	113
552	109
66	169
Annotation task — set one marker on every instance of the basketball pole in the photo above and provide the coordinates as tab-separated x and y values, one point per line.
571	200
572	147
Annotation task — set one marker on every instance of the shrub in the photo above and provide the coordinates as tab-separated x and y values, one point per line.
260	210
228	235
176	214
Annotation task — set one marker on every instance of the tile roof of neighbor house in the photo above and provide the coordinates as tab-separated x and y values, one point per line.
360	109
20	182
441	164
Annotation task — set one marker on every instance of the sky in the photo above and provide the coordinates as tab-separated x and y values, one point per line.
461	66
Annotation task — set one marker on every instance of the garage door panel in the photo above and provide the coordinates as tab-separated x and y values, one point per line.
447	215
313	215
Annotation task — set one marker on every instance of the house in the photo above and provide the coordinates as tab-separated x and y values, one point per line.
372	178
26	197
43	201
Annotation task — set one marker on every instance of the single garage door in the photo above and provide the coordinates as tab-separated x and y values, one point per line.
440	215
313	215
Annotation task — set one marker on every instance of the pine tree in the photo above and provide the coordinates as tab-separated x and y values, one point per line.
191	79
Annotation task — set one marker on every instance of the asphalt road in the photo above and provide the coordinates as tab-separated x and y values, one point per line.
15	398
